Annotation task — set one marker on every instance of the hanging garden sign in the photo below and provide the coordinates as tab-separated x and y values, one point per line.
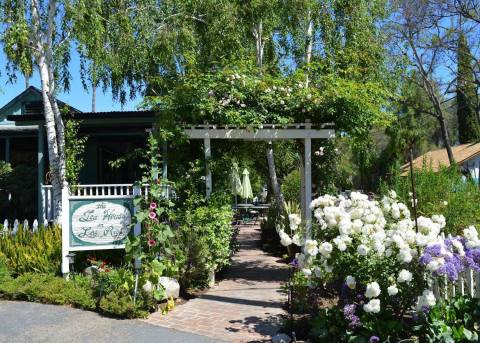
94	223
97	218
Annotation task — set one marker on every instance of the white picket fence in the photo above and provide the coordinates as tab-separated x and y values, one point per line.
468	284
13	228
95	190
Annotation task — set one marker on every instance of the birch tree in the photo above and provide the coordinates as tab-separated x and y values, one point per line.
36	36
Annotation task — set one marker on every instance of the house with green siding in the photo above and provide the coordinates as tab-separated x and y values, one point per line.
111	135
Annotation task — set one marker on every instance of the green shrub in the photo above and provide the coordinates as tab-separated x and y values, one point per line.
443	192
457	320
291	186
4	273
206	236
49	289
119	303
28	251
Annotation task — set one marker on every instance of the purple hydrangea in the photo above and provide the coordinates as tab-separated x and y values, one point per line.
454	263
434	250
374	339
350	316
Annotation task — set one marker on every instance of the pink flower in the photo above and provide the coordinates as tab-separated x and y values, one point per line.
151	243
152	215
153	205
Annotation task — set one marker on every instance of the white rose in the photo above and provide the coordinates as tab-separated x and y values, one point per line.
373	290
379	248
404	276
285	240
435	263
325	249
307	272
297	240
373	306
429	298
362	249
341	246
405	256
392	194
351	282
310	247
392	290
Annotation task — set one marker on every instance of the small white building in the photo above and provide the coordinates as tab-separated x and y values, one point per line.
466	155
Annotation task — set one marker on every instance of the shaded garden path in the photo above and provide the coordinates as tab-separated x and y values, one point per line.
245	306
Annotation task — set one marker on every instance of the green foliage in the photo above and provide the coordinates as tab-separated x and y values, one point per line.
113	289
241	94
185	241
28	251
457	320
4	272
468	124
49	289
291	186
443	192
206	231
119	303
74	149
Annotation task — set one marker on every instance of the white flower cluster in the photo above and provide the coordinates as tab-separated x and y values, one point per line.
471	235
294	223
427	299
367	228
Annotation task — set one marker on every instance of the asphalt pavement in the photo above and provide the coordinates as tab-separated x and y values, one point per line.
32	322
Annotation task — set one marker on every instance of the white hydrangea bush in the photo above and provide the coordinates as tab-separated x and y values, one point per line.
372	246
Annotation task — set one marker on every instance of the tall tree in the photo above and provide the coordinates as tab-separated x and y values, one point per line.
36	35
422	38
468	125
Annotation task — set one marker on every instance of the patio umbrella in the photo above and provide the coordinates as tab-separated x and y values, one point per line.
236	183
246	186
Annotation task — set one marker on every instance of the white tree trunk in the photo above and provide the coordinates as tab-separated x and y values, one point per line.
273	178
52	139
308	42
42	38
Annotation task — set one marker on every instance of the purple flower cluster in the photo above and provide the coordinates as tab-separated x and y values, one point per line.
472	259
454	262
349	314
374	339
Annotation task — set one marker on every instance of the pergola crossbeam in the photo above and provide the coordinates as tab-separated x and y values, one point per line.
264	134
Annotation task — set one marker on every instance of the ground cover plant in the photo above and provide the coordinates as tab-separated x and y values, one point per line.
381	271
27	251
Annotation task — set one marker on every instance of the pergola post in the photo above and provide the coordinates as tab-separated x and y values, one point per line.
308	183
40	174
208	155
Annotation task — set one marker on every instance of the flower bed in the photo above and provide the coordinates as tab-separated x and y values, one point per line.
382	269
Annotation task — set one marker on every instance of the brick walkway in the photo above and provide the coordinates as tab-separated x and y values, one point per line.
245	306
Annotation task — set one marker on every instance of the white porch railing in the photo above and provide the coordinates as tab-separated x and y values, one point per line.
94	190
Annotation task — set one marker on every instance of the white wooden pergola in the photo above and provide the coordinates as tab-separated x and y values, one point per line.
265	132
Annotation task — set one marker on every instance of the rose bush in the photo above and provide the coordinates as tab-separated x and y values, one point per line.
385	265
